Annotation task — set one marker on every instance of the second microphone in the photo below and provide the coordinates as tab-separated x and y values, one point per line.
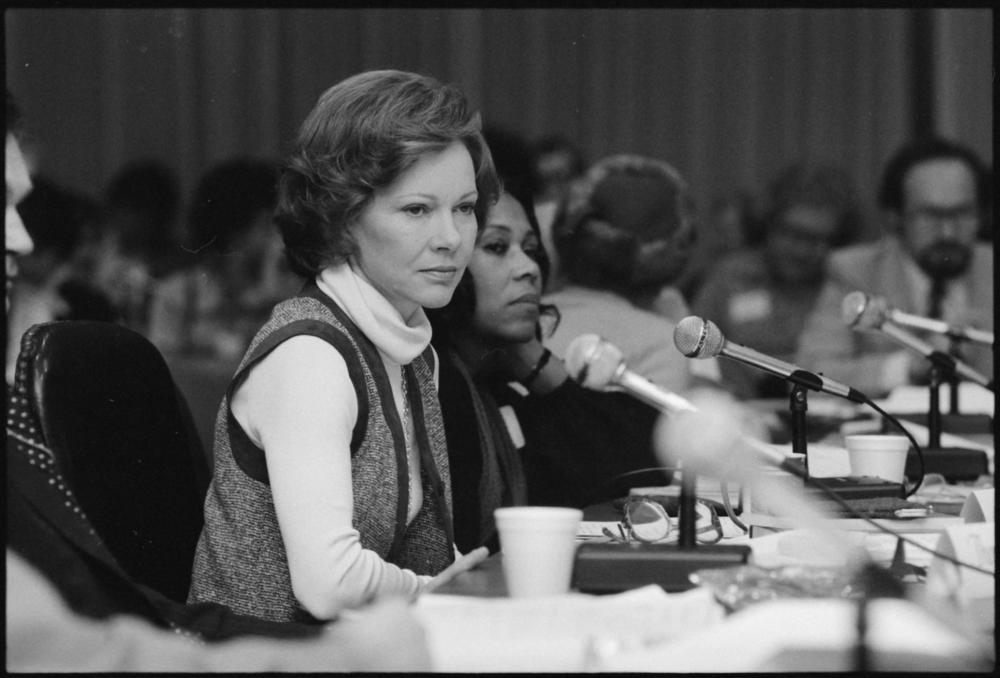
701	338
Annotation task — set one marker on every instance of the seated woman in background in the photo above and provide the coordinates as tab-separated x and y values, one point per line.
544	439
214	307
331	484
624	234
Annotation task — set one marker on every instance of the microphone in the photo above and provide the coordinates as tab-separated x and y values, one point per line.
599	365
861	312
701	338
879	310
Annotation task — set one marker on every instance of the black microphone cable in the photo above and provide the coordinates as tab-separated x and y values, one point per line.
913	441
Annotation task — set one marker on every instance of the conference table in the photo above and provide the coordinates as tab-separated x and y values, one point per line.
474	626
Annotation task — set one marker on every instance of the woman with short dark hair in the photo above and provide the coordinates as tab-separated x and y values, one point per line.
624	235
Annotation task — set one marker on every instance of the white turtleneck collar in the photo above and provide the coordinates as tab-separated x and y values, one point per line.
398	339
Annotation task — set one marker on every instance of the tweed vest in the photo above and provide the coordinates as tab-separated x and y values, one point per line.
240	559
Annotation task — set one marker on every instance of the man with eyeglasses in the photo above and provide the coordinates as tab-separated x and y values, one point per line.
935	195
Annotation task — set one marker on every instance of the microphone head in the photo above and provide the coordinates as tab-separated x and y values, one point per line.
707	439
698	337
862	312
593	362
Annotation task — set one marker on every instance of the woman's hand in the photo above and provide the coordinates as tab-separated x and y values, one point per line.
527	363
522	357
540	371
462	564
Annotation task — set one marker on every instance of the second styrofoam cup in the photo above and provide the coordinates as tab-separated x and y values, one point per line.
538	545
878	456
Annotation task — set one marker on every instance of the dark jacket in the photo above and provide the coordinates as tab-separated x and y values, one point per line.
580	447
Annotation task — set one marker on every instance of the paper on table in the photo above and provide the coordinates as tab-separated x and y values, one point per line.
800	547
590	529
980	507
825	460
765	637
593	529
933	523
810	547
557	633
705	488
973	590
974	398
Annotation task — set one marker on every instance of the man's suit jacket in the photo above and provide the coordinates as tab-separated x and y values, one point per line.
856	358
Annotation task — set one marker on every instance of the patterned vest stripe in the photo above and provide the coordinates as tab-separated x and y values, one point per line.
248	456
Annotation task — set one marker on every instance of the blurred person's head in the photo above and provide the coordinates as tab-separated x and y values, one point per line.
810	210
732	222
627	225
936	194
232	209
56	218
141	204
17	242
363	133
511	155
556	161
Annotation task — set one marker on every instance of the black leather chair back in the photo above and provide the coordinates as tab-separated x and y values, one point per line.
124	438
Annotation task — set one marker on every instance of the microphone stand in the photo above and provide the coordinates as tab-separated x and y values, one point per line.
612	567
934	409
946	365
687	515
953	380
874	582
798	405
849	487
954	463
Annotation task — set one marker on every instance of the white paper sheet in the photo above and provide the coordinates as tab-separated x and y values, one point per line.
559	633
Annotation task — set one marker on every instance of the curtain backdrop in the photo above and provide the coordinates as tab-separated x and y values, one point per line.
729	96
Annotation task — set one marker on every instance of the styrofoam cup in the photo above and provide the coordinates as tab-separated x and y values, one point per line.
538	545
878	456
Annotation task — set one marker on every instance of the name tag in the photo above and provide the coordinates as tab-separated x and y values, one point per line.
513	425
979	507
750	306
972	543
